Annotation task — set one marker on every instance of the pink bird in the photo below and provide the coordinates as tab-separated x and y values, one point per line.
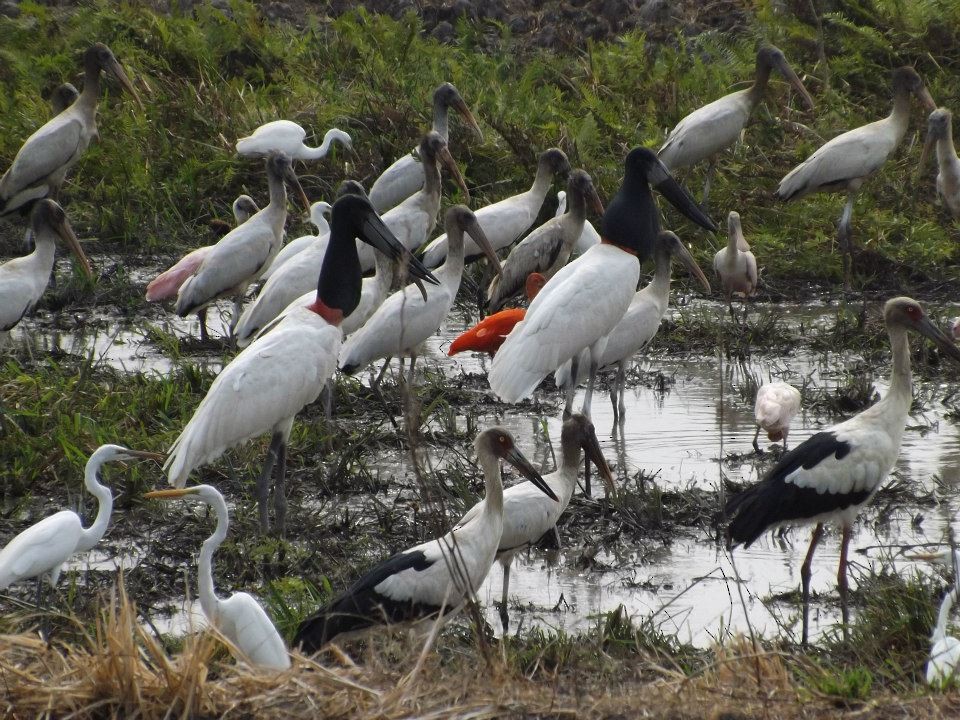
777	403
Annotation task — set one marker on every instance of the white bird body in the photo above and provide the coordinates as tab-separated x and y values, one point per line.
734	264
287	137
240	618
588	237
504	222
776	405
559	324
708	130
317	216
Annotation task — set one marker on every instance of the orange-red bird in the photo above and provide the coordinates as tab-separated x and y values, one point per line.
488	334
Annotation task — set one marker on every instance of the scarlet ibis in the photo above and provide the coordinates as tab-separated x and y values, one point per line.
433	579
830	476
42	163
240	618
488	334
582	303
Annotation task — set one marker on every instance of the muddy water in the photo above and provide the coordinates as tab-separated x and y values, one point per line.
688	431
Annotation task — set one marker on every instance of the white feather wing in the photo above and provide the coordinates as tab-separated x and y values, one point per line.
41	548
246	624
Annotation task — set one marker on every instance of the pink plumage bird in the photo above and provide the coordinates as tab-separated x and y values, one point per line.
777	403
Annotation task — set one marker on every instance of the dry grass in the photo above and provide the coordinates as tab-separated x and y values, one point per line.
119	670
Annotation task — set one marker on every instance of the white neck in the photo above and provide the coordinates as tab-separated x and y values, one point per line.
541	184
946	152
91	536
940	631
208	595
900	394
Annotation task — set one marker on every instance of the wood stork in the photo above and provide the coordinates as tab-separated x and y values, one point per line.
845	163
776	405
240	618
264	387
944	649
285	136
589	237
582	303
41	164
242	254
834	473
505	221
735	265
707	131
24	279
639	323
940	133
407	318
63	97
318	217
43	548
433	579
411	222
404	177
168	283
546	249
528	514
488	334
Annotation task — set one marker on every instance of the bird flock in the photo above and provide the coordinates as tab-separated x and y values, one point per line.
373	284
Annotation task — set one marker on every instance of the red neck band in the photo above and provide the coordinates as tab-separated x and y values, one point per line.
333	316
631	251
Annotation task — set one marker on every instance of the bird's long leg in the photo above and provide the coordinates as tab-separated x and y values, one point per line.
594	369
280	490
329	389
805	579
756	435
572	387
586	476
375	386
845	239
622	385
842	581
235	313
202	317
711	168
263	483
504	613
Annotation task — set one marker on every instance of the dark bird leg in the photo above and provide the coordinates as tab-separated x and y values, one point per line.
572	388
202	317
504	613
594	369
805	580
842	582
280	490
586	476
845	240
756	435
263	482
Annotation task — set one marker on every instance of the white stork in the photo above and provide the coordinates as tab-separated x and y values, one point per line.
42	162
318	217
505	221
528	514
583	302
24	279
43	548
940	133
639	324
407	318
433	579
285	136
834	473
242	254
546	249
268	383
589	237
845	163
735	265
776	405
404	177
240	618
707	131
411	222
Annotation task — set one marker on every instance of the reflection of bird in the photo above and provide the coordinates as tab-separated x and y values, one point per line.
43	548
41	164
240	617
434	578
285	136
528	514
318	216
639	324
488	334
24	279
265	386
777	403
735	264
834	473
716	126
582	303
404	177
845	163
940	133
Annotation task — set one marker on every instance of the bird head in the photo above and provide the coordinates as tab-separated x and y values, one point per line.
498	442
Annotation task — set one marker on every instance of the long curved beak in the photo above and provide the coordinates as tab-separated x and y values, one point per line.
593	198
451	165
516	458
926	99
591	447
684	256
926	328
171	493
476	232
791	77
117	70
375	233
461	107
70	238
291	177
678	196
